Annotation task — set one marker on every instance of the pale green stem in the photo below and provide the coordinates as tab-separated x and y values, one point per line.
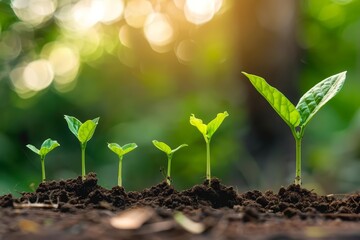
120	171
43	168
298	161
168	178
208	171
83	172
298	135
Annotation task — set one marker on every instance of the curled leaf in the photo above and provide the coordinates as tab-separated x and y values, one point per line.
120	151
215	123
73	124
87	130
47	146
199	124
162	146
33	148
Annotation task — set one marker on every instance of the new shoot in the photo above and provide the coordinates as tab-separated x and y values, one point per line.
121	151
297	117
83	132
169	152
47	146
207	130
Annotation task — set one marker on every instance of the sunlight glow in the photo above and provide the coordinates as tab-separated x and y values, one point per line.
201	11
85	14
65	63
158	31
136	12
185	51
124	36
38	75
34	12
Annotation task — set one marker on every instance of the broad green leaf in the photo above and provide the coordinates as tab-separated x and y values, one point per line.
277	100
215	123
199	124
318	96
33	148
73	123
86	131
47	146
179	147
120	151
162	146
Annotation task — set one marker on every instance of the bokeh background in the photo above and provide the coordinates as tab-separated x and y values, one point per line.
144	66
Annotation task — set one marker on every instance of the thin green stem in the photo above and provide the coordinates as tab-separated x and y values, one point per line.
83	172
168	178
208	171
120	171
43	168
298	161
298	135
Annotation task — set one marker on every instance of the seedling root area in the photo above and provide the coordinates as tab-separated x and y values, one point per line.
81	209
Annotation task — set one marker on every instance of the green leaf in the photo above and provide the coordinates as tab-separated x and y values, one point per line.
87	130
96	120
318	96
179	147
73	124
215	123
162	146
47	146
199	124
277	100
33	148
120	151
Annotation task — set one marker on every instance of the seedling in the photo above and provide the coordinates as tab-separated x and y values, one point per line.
83	132
207	131
121	151
169	152
47	146
298	117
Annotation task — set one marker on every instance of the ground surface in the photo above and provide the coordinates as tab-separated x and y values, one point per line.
81	209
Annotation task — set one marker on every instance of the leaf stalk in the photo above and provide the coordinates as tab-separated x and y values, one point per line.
120	171
83	172
168	177
43	168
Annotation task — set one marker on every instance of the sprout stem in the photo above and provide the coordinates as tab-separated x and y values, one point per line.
43	168
120	171
208	173
168	178
83	172
298	161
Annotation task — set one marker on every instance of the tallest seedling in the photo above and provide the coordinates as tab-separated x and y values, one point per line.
297	117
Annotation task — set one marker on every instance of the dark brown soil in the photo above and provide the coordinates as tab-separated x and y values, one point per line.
81	209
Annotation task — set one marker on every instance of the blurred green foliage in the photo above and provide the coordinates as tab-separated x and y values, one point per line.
141	95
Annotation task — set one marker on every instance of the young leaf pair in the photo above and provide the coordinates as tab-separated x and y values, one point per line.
297	117
207	130
83	132
169	152
47	146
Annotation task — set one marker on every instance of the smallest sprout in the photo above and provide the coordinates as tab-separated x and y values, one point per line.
166	149
121	151
47	146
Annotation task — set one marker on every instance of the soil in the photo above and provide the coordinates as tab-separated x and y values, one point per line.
81	209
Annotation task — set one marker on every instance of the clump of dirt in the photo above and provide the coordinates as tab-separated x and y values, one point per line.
289	202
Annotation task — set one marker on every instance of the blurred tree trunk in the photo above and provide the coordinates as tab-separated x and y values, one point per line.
267	46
